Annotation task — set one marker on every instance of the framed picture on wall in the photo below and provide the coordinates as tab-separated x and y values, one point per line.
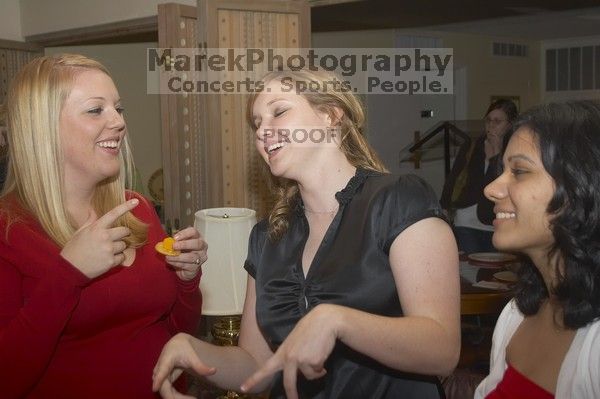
514	99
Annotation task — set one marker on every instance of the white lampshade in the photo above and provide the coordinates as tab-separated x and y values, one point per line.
223	282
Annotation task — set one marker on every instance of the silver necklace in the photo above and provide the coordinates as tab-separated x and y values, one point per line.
306	210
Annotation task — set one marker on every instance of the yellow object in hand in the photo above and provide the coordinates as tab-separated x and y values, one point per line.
166	247
168	243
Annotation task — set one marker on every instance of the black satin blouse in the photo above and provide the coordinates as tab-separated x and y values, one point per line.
351	268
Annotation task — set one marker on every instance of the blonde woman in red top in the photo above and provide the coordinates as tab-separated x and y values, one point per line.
86	303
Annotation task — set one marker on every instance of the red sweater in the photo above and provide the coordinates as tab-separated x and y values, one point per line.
65	336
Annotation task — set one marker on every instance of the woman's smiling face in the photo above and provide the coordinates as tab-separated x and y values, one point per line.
91	129
290	133
521	195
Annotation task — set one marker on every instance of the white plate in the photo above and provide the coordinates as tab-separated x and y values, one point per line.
506	276
492	257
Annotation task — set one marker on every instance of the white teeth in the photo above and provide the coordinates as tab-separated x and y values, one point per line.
274	146
505	215
109	144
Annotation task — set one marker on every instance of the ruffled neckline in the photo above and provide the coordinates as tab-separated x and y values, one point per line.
347	193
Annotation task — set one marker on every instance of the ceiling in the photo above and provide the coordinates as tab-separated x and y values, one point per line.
533	19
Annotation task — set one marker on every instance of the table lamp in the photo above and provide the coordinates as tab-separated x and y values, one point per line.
223	282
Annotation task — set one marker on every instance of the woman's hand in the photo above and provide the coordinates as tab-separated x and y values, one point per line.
193	253
305	349
177	355
97	246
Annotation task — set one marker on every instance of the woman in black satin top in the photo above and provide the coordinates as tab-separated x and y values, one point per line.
353	287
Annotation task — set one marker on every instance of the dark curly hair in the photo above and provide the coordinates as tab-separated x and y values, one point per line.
568	137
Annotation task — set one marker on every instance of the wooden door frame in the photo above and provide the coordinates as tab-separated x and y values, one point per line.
171	157
210	104
210	9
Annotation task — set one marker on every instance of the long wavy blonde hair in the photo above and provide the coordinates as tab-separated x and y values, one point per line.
353	142
35	168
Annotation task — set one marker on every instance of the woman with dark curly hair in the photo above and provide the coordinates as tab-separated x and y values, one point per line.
547	204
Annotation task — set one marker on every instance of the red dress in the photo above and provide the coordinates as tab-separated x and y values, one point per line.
65	336
515	385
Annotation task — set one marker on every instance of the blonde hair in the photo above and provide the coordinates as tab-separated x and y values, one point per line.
35	168
353	142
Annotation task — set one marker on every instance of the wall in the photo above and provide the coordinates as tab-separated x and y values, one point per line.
389	130
127	64
491	75
486	74
565	95
382	131
10	20
42	16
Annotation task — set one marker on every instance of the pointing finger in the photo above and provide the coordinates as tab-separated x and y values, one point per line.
290	374
110	217
266	371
